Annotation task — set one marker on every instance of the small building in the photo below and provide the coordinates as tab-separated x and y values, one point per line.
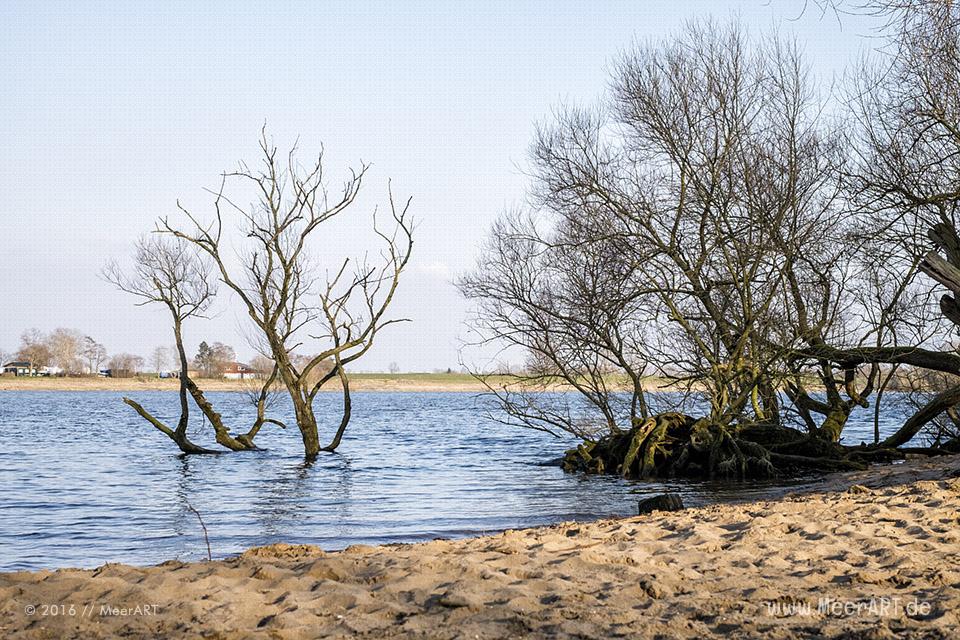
240	371
21	368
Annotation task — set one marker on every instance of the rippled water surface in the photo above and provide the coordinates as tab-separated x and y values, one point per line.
85	481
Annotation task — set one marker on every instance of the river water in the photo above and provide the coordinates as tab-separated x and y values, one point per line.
85	481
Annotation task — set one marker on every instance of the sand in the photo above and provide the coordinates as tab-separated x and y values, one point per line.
872	555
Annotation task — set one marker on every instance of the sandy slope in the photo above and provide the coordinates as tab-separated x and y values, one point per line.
881	546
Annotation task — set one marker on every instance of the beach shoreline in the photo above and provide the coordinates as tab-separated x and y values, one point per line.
863	554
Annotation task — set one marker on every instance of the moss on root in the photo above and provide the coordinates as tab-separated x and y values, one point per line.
674	444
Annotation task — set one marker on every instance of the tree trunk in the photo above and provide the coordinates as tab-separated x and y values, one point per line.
347	409
832	426
307	423
180	439
220	430
940	403
184	368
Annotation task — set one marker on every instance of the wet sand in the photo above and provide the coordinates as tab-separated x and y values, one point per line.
872	554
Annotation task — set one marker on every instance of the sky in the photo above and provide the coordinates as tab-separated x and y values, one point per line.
112	111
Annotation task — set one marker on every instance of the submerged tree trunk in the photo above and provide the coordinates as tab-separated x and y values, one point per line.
221	432
307	422
347	409
244	441
178	435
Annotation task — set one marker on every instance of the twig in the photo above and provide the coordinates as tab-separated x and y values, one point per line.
204	527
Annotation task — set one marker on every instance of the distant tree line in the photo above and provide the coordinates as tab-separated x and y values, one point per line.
70	352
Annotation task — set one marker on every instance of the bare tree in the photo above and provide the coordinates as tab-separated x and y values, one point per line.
34	349
167	272
571	306
223	356
262	364
276	282
213	360
125	365
159	358
906	144
93	353
65	345
696	227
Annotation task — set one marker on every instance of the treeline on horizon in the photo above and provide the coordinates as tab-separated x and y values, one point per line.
71	352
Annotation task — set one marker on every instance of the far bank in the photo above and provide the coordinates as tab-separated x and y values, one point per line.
402	382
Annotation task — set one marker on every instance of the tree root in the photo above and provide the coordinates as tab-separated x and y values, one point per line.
674	444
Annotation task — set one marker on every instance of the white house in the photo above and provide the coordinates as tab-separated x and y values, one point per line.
240	371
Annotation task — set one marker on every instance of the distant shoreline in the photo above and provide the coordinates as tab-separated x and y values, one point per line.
399	382
413	382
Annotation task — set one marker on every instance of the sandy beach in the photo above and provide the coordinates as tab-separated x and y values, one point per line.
868	555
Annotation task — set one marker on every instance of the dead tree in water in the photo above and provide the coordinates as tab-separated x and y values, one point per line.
276	282
169	272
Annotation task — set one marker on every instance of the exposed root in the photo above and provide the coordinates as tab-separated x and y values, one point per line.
674	444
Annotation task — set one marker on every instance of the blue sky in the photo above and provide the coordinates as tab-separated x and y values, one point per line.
112	111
